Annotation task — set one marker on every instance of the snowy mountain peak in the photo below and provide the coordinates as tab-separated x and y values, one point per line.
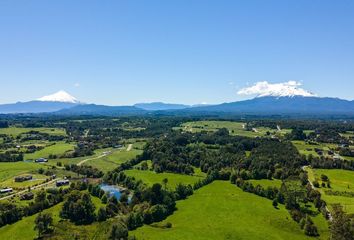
285	89
60	96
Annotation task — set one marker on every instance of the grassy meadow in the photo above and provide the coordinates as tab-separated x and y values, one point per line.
235	128
12	169
341	180
23	229
15	131
58	149
265	183
223	211
307	148
113	160
151	177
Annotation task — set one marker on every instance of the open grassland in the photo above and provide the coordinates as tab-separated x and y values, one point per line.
151	177
223	211
37	179
23	229
97	154
12	169
235	128
265	183
15	131
113	160
341	181
58	149
307	148
348	134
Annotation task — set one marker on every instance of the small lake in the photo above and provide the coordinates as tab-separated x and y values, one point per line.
112	190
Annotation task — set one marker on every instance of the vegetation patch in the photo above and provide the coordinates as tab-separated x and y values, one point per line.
223	211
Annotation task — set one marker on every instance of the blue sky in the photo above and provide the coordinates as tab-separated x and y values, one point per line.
185	51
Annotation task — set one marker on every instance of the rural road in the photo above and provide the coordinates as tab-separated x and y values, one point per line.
32	188
330	218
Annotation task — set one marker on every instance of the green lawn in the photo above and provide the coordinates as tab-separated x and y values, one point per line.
223	211
15	131
58	149
151	177
341	180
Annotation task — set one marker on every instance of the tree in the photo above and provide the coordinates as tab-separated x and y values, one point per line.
78	208
119	232
310	228
165	181
341	227
42	223
102	214
275	203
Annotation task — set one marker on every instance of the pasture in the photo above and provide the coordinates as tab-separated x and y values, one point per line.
151	177
23	229
57	149
235	128
265	183
223	211
12	169
308	148
113	160
15	131
37	179
341	181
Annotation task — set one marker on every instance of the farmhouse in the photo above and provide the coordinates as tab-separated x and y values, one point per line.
6	190
27	196
41	160
62	182
23	178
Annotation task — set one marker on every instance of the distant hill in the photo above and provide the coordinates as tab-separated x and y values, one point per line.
63	103
283	105
160	106
51	103
93	109
34	107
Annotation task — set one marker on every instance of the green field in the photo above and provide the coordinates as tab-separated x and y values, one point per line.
37	179
223	211
266	183
23	229
307	148
113	160
151	177
235	128
97	153
58	149
341	180
12	169
15	131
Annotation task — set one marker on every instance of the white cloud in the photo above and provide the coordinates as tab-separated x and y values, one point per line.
285	89
77	85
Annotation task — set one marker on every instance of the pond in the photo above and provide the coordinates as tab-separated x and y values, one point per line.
113	190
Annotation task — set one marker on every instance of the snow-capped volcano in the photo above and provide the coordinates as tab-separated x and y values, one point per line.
60	96
285	89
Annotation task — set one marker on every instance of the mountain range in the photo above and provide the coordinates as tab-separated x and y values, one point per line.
62	103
